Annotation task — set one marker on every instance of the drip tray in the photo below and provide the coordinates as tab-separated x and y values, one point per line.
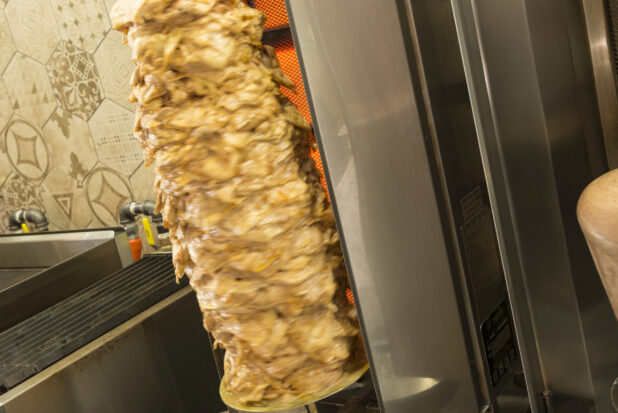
41	340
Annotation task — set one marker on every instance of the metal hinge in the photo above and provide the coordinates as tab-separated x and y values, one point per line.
548	401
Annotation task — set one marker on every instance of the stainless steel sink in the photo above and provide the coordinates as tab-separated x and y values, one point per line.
39	270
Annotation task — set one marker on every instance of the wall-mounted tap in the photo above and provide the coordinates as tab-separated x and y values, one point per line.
22	216
128	214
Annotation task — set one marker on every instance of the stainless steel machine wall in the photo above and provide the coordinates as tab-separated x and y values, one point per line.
524	74
374	147
391	115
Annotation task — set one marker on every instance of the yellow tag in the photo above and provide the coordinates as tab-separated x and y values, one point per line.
148	231
24	228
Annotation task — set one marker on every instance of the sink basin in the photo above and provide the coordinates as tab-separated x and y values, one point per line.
38	270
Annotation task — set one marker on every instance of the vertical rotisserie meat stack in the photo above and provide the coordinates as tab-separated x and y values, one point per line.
248	218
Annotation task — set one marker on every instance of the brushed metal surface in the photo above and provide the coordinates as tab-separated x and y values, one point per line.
48	249
604	74
375	151
519	64
39	270
482	285
158	361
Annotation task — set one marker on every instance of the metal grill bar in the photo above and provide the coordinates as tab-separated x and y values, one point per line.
45	338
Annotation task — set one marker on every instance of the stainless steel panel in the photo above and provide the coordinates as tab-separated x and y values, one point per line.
374	148
48	249
583	71
12	276
519	64
604	74
441	74
159	361
39	270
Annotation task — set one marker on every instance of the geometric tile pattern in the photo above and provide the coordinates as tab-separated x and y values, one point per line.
84	23
115	67
69	136
75	80
26	149
66	128
7	48
33	26
18	192
107	190
5	165
142	182
29	89
66	203
6	109
112	133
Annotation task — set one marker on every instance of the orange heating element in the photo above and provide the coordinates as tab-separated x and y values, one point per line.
277	17
276	13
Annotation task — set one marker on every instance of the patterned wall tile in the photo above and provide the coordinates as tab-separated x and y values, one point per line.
18	192
142	183
82	22
107	190
75	80
109	4
5	164
6	109
54	228
33	27
115	69
4	214
94	224
65	202
26	149
112	133
29	89
70	144
7	48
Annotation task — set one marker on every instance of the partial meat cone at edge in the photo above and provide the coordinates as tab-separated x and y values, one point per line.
248	218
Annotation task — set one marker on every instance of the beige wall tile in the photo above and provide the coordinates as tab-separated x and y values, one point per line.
112	133
115	69
55	124
95	224
109	4
29	89
6	109
5	164
54	228
142	183
82	22
33	27
17	192
65	202
7	48
107	190
70	144
26	149
65	149
75	80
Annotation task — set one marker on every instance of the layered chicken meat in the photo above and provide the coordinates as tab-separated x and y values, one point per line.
249	221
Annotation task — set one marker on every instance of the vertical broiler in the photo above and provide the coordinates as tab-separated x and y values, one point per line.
456	137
